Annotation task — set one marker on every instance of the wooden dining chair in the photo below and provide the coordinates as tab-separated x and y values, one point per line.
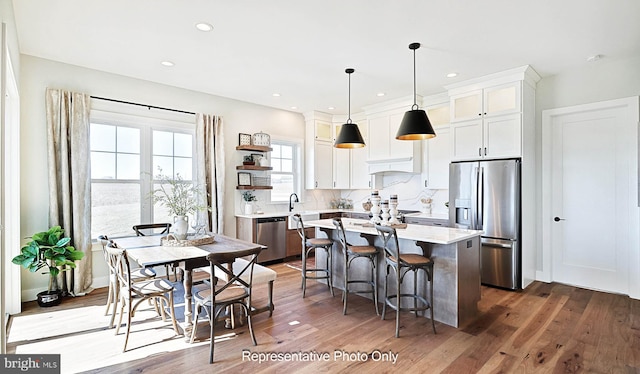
137	275
237	290
157	229
132	294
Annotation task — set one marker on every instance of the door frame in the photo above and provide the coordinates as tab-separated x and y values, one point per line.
632	104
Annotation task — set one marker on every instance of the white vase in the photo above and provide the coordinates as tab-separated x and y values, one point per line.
248	208
180	227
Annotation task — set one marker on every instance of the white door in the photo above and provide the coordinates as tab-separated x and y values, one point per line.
592	211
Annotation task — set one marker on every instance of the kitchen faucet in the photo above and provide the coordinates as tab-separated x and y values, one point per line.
295	201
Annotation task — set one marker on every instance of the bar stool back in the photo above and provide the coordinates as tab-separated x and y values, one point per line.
352	252
401	264
309	245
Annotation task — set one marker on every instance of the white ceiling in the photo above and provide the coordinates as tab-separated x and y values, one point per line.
300	48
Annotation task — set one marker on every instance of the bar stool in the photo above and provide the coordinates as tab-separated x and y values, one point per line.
309	245
401	264
352	252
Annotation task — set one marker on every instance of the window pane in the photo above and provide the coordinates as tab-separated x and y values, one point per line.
275	163
128	166
183	144
287	166
128	140
103	138
184	167
163	143
163	163
115	208
103	165
276	151
282	187
287	151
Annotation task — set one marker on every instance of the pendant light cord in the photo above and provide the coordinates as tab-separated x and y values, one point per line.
414	46
349	71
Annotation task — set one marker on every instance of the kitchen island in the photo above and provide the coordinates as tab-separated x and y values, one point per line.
454	252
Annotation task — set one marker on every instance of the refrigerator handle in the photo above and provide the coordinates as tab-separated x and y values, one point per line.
480	198
474	199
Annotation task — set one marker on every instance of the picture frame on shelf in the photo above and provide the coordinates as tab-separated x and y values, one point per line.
244	139
244	179
261	139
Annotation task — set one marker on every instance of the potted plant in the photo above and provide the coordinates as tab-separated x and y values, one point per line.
248	198
49	249
180	197
248	160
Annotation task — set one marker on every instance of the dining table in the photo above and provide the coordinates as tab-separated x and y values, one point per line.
148	251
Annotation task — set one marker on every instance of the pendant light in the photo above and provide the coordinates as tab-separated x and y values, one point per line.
349	136
415	124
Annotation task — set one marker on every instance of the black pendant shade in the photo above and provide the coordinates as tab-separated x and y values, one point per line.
415	124
349	136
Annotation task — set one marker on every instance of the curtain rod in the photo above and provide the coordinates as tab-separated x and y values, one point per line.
144	105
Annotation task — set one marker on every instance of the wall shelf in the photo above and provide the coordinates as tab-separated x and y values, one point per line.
253	167
254	187
254	148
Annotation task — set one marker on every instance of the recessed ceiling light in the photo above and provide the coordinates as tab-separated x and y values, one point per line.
380	94
452	75
203	26
594	58
167	63
275	94
331	108
294	107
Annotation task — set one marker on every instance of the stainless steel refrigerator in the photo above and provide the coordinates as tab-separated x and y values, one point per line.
485	195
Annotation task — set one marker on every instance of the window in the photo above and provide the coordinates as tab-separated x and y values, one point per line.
126	158
285	175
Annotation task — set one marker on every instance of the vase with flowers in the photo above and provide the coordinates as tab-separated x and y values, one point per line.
248	197
181	198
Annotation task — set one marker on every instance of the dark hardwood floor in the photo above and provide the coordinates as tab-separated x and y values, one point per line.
547	328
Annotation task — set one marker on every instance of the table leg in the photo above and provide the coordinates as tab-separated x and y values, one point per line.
188	312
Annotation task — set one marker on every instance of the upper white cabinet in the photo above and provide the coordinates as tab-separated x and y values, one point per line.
386	153
318	151
359	169
437	153
487	115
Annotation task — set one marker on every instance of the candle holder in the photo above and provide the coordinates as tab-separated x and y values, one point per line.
384	221
375	209
393	210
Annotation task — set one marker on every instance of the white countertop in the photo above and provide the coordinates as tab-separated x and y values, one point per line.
287	214
428	234
441	216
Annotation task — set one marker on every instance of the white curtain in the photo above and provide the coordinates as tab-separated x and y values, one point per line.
210	169
70	178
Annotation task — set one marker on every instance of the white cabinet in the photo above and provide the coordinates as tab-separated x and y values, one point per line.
318	151
487	122
386	153
359	169
437	153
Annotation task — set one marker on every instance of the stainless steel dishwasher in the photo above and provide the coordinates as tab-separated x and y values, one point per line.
271	232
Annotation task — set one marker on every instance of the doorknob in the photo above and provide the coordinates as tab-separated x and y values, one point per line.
558	219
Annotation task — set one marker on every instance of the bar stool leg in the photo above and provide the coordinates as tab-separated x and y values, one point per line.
330	270
415	292
375	282
384	304
430	275
398	303
304	271
345	293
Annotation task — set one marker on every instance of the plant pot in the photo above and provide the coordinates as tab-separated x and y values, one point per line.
248	208
248	162
180	227
49	298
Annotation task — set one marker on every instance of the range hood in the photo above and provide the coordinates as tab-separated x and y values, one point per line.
406	164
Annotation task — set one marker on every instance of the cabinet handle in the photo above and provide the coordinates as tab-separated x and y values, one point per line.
485	151
480	114
334	184
316	184
425	183
485	113
479	151
369	184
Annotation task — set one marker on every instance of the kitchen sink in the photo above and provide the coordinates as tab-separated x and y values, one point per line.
306	216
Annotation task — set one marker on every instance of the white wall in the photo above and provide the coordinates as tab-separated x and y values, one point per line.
38	74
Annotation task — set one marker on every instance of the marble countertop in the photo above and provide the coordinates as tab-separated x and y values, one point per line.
286	213
428	234
440	216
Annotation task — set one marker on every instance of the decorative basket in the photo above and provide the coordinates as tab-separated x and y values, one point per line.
171	241
261	181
